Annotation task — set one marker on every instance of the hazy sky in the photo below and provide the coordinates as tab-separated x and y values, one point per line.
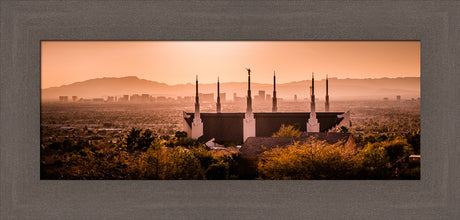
177	62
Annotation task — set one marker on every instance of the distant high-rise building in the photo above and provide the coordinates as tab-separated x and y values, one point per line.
262	95
74	98
206	97
268	97
223	97
295	98
145	97
111	99
398	98
135	98
63	98
236	98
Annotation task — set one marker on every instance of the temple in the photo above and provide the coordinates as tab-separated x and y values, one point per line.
237	127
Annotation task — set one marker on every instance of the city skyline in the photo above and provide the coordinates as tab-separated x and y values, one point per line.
66	62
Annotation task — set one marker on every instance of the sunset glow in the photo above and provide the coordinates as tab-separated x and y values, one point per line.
138	110
177	62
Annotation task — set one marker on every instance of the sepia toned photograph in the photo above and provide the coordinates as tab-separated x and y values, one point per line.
230	110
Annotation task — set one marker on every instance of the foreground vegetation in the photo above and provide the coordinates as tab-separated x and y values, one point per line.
318	160
139	155
142	154
97	141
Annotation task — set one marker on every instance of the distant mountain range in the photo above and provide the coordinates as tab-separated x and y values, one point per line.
406	87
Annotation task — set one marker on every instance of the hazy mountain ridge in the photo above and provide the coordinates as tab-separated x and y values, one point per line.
407	87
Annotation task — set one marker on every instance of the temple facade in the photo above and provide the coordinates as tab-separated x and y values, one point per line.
237	127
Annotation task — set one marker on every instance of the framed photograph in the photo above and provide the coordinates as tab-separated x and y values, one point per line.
347	122
184	110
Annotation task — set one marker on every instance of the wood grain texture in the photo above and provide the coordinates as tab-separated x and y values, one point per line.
24	23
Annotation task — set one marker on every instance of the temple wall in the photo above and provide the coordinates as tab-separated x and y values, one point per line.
228	127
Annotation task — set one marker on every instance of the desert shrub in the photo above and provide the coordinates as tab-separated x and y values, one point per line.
287	131
164	163
308	160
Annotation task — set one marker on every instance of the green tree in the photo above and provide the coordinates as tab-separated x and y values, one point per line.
145	140
132	139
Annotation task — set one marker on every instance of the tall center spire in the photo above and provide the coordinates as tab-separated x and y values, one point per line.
218	106
249	122
249	99
274	100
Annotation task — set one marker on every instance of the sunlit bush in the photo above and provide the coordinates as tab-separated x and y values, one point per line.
287	131
308	160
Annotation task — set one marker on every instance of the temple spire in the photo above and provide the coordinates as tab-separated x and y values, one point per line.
249	98
313	106
249	122
313	83
274	99
197	100
218	106
326	107
197	123
312	124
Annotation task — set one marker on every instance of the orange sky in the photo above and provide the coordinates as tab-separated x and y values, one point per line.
176	62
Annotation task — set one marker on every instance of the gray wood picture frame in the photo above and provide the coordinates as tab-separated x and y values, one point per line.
23	24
